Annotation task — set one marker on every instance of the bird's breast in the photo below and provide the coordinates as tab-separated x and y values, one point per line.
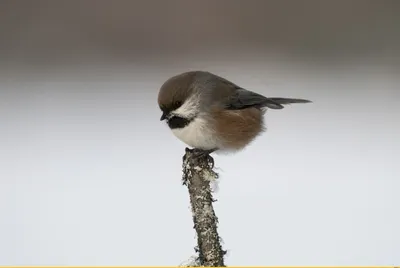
198	133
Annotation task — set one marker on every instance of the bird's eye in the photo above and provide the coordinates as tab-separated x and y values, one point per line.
177	104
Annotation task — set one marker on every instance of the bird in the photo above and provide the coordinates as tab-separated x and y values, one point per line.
212	114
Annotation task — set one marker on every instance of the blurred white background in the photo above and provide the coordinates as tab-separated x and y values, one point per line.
90	176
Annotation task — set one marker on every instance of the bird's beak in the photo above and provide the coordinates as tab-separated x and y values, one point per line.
163	117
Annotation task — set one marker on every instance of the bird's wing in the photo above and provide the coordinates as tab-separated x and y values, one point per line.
242	98
236	98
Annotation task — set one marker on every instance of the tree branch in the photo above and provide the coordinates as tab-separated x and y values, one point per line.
197	175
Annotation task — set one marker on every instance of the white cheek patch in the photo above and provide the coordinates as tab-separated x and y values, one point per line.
189	108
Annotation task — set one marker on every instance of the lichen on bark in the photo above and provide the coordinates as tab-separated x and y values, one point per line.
197	174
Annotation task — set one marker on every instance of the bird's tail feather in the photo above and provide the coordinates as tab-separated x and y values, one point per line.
288	100
277	103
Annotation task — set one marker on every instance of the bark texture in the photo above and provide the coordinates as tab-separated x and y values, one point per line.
197	175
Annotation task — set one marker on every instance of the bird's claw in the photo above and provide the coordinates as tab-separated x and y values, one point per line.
199	153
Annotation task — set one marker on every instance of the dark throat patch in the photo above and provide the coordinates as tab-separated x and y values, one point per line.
178	122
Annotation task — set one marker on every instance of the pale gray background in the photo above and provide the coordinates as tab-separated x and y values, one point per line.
90	176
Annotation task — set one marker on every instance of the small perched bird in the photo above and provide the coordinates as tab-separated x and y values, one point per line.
210	113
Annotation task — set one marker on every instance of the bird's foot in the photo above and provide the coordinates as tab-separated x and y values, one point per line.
200	153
